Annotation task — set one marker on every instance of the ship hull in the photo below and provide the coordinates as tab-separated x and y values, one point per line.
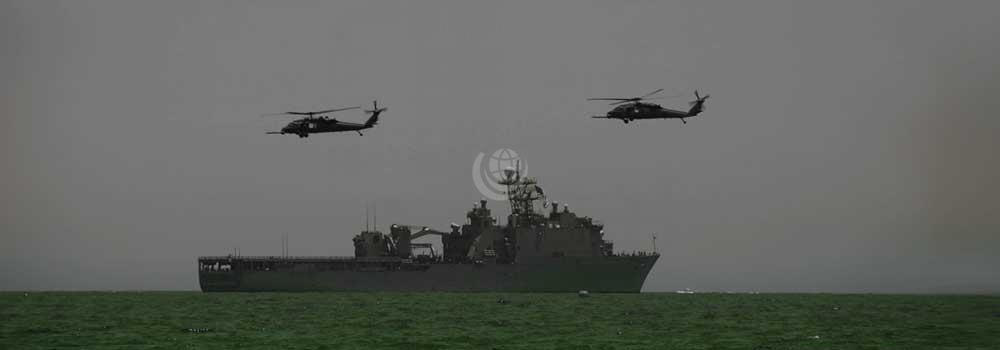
610	274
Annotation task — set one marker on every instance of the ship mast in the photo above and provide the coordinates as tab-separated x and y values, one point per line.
521	194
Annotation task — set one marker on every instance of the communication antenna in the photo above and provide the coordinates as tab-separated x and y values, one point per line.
375	217
654	241
284	245
366	217
509	180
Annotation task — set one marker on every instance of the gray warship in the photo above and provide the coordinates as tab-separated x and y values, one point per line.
553	251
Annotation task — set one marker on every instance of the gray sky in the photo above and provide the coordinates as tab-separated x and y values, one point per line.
848	146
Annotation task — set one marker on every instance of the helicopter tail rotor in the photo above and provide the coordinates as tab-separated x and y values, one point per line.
698	105
375	108
375	111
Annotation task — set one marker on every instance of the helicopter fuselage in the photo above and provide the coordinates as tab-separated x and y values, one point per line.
316	125
634	111
305	126
629	109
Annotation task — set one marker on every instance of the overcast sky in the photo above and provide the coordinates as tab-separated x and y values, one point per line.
848	146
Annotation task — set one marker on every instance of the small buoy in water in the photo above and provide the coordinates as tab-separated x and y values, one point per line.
583	294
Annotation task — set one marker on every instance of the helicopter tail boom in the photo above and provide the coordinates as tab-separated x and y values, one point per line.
372	120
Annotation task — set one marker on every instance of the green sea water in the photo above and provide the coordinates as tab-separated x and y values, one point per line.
194	320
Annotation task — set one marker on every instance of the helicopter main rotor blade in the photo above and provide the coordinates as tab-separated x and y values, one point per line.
659	98
274	114
335	110
320	112
617	100
341	109
623	102
651	93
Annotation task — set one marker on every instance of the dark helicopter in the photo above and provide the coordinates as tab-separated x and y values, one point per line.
630	109
312	124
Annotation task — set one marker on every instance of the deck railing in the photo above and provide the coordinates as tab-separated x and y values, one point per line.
296	258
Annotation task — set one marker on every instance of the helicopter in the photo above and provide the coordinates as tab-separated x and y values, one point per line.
630	109
312	124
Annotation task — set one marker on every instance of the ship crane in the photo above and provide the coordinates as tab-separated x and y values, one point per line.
424	231
418	231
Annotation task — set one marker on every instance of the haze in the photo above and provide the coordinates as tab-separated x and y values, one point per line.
847	146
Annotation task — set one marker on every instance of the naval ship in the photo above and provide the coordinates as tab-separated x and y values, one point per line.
551	251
